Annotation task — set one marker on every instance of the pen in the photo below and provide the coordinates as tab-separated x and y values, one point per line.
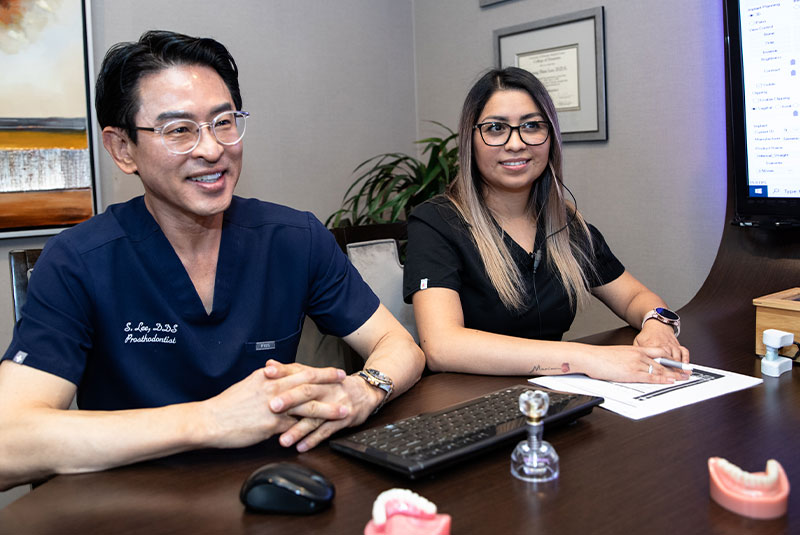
674	364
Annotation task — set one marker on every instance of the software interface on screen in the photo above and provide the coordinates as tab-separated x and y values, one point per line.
770	33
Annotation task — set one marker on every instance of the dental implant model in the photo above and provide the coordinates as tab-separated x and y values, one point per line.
534	459
403	512
761	495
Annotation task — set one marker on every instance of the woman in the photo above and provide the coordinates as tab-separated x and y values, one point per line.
496	267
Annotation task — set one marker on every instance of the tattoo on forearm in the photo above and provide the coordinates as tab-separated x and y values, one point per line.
541	369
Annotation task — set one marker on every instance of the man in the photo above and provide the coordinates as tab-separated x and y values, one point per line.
162	311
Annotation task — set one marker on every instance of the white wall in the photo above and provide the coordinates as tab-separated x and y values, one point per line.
339	75
656	188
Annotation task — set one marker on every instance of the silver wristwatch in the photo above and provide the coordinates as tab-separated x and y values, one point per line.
666	316
378	380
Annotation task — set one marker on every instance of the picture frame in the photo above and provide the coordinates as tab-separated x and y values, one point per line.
567	53
47	139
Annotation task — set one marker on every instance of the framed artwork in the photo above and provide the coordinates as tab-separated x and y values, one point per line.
46	155
567	53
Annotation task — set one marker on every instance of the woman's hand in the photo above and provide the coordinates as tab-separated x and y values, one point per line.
657	334
631	364
631	300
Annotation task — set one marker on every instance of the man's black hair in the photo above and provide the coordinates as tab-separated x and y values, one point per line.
117	89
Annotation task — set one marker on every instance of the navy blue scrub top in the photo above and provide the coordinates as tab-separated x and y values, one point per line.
112	309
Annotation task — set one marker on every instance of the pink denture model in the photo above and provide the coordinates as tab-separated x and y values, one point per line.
756	495
403	512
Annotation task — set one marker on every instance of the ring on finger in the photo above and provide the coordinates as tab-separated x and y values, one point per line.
650	369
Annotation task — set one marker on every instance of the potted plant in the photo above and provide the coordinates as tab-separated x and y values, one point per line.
390	185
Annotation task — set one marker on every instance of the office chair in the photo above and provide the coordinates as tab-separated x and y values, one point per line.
316	349
21	262
377	251
379	231
378	262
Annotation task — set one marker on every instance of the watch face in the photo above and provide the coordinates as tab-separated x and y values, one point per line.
378	380
378	375
667	313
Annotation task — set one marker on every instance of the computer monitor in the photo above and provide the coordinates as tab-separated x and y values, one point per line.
763	93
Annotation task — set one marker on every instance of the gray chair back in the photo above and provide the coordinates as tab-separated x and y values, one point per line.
379	264
21	262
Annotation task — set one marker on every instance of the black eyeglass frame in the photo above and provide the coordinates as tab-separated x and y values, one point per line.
511	131
210	124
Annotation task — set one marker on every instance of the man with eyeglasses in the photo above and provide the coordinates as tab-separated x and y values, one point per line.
176	316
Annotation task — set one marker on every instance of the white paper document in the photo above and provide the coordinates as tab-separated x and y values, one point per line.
640	400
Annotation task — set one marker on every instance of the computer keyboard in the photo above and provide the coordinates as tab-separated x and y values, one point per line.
424	443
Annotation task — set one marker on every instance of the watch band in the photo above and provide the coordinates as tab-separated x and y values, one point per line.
665	316
380	380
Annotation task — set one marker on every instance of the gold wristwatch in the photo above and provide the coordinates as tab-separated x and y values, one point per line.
378	380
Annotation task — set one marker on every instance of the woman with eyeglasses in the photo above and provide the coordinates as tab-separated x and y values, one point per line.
497	266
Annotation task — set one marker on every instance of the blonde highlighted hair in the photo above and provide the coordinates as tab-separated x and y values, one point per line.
568	240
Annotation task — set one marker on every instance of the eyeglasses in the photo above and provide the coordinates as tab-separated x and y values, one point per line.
496	134
182	136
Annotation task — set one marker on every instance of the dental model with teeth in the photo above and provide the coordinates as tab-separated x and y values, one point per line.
403	512
176	316
496	267
757	495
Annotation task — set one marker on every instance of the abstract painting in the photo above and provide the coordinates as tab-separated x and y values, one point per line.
46	172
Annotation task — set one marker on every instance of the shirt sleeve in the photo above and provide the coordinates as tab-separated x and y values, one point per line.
607	267
432	256
55	331
339	300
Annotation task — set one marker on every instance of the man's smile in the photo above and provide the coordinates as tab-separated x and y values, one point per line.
208	178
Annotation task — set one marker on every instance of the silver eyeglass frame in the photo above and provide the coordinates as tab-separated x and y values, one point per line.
210	124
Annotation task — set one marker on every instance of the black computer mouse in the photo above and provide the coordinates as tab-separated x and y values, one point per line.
286	488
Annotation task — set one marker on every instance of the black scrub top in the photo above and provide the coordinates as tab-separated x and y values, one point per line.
442	254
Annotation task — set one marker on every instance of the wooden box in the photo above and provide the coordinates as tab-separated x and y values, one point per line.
778	311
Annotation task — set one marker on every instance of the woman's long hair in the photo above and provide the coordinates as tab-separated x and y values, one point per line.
569	242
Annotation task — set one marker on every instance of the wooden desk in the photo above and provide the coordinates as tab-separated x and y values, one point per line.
617	475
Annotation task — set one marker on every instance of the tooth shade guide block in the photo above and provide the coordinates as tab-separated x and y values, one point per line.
749	502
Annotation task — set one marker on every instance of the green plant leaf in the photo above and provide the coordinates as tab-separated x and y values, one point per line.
388	186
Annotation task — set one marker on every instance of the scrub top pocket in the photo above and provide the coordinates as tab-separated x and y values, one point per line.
283	349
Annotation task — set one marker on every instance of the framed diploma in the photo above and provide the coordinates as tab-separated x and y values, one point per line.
567	54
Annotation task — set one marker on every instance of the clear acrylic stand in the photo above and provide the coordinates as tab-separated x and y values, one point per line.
534	459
